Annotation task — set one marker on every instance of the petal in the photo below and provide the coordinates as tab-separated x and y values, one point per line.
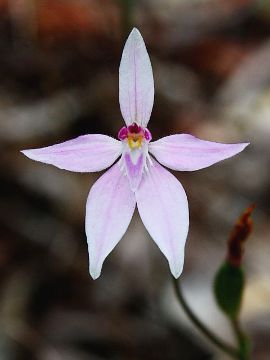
187	153
134	162
109	209
136	84
163	207
134	171
84	154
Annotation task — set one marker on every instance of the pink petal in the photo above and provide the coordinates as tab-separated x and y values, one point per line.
163	207
109	209
134	170
136	84
84	154
187	153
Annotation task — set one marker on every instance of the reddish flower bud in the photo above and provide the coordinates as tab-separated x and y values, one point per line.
238	237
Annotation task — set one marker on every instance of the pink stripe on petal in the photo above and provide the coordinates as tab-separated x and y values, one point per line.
86	153
136	84
109	209
187	153
134	171
163	207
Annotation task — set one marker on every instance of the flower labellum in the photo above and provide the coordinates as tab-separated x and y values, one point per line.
138	177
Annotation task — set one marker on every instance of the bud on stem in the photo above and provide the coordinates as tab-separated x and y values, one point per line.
230	278
238	237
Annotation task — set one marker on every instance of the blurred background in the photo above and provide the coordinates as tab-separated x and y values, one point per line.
59	64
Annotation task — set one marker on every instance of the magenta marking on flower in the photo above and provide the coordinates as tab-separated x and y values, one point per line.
147	135
135	135
133	162
137	178
134	128
123	133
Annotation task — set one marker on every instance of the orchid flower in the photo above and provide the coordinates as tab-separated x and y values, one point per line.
138	177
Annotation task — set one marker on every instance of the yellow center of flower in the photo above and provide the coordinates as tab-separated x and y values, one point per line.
135	140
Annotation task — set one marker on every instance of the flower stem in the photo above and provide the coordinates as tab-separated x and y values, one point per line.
242	339
234	353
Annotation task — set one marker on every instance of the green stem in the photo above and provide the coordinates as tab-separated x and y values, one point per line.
234	353
242	339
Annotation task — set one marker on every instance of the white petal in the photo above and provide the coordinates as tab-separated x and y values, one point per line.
187	153
136	84
163	207
109	209
86	153
134	170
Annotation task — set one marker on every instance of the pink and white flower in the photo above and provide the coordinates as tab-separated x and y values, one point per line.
138	177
